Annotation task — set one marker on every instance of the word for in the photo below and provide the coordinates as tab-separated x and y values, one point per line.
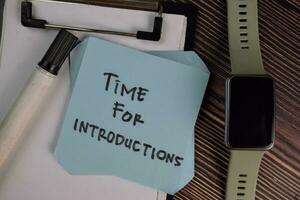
126	116
147	150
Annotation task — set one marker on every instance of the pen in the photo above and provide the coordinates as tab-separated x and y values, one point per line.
23	114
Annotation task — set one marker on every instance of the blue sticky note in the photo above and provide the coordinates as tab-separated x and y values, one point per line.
132	114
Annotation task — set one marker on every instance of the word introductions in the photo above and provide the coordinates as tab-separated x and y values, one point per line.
136	94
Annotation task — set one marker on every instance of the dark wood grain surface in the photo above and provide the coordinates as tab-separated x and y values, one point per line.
279	26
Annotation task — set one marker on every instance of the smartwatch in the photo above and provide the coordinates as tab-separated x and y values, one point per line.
249	97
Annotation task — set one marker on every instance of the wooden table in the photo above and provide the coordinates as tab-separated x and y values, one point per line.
279	25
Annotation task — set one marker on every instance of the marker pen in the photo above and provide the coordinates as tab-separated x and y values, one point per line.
23	114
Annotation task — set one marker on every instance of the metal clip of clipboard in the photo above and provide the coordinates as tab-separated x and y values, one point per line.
154	35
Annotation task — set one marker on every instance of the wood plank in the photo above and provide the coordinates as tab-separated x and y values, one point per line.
279	26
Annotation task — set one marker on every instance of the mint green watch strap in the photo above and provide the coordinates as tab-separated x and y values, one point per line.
245	58
243	37
242	174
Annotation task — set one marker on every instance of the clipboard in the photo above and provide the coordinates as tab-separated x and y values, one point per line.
184	42
185	9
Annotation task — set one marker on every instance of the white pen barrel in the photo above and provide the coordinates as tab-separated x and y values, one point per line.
22	115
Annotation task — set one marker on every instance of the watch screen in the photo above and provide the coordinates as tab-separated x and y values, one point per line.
251	110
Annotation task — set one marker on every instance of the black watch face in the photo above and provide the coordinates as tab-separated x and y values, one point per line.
250	112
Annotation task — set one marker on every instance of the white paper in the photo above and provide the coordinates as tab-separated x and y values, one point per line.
34	174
